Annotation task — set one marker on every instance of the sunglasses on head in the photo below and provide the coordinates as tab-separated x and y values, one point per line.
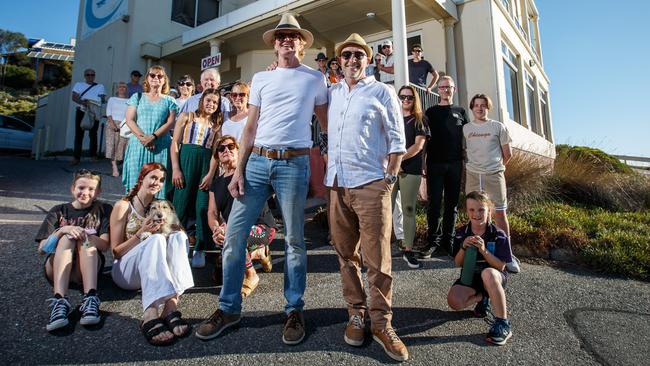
406	97
357	54
154	76
186	83
231	146
240	95
281	35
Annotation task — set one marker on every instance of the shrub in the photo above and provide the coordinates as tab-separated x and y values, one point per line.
19	77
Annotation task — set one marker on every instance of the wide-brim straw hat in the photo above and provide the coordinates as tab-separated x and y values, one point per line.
357	40
288	22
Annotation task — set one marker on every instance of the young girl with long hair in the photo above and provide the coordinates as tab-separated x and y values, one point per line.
489	276
194	166
152	262
416	129
73	235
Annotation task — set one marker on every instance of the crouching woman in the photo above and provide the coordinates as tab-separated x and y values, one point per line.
488	275
147	260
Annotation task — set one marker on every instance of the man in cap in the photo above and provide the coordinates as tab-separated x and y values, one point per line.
274	157
134	85
366	144
386	68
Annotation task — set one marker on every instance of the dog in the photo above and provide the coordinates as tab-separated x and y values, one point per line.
163	212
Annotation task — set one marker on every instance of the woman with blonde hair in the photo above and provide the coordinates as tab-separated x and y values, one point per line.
416	129
235	120
115	114
150	115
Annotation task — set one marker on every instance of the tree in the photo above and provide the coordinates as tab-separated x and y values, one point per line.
10	42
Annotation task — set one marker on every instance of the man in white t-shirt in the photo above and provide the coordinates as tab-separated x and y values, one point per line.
274	157
386	68
84	93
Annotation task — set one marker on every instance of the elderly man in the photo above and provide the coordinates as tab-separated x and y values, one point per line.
366	144
84	93
210	79
274	158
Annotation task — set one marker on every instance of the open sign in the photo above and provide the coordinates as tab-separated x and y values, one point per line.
211	61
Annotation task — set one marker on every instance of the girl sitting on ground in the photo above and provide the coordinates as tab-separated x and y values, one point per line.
261	235
147	260
194	166
73	235
490	276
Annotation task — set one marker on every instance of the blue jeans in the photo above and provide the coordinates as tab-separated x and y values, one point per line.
289	179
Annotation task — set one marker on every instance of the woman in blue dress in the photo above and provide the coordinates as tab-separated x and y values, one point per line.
150	115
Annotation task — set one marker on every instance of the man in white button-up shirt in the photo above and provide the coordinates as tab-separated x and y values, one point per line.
366	144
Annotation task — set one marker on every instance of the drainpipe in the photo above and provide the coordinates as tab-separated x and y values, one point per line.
399	44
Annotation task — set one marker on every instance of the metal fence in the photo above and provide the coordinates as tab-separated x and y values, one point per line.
427	99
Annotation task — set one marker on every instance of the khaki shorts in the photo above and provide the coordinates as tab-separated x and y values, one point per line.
493	184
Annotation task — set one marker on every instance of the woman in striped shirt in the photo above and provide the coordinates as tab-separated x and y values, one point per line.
193	166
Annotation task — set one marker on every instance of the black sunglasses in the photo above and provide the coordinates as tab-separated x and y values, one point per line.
159	76
230	147
186	83
406	97
90	74
240	95
357	54
282	36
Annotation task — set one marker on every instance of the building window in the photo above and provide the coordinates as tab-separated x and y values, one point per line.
546	120
510	76
194	12
531	114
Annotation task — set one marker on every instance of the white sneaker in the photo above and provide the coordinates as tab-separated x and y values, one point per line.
198	259
513	266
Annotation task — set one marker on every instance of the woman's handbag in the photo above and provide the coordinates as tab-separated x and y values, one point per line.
125	131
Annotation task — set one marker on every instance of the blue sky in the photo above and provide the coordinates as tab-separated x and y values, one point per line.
596	54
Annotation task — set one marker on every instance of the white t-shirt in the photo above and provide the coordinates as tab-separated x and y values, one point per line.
233	128
483	145
387	61
286	98
116	108
92	94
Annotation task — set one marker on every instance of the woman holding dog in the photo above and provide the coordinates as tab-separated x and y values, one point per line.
194	166
261	235
146	259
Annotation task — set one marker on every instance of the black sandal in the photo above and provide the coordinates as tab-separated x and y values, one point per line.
153	328
174	320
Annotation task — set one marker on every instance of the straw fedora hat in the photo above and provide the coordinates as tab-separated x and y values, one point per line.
357	40
289	23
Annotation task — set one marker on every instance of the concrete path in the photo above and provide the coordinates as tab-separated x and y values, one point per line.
559	316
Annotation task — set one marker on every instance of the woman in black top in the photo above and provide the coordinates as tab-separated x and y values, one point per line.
416	130
219	205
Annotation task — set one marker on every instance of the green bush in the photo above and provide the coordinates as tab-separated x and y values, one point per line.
21	106
19	77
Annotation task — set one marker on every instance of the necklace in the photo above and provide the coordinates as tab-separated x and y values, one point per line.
144	208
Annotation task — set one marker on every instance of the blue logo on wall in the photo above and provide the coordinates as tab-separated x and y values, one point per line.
94	21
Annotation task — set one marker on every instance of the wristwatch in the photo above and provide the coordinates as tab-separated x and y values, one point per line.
389	178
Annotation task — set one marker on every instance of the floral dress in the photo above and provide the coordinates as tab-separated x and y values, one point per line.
149	116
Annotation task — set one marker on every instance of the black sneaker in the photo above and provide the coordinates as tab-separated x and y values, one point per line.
59	314
428	252
499	332
482	308
90	314
411	259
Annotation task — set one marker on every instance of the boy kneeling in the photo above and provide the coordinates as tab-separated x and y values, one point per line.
489	275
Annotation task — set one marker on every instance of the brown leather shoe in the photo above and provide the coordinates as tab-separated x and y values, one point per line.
391	343
294	328
355	331
216	324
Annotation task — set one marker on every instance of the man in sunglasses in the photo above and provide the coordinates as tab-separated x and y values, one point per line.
275	147
386	68
84	93
419	69
366	144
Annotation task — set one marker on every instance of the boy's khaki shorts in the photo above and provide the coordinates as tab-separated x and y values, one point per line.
493	184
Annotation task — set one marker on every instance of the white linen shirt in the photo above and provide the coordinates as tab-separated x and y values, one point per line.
364	126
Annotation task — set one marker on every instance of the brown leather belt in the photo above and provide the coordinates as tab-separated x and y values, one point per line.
279	154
